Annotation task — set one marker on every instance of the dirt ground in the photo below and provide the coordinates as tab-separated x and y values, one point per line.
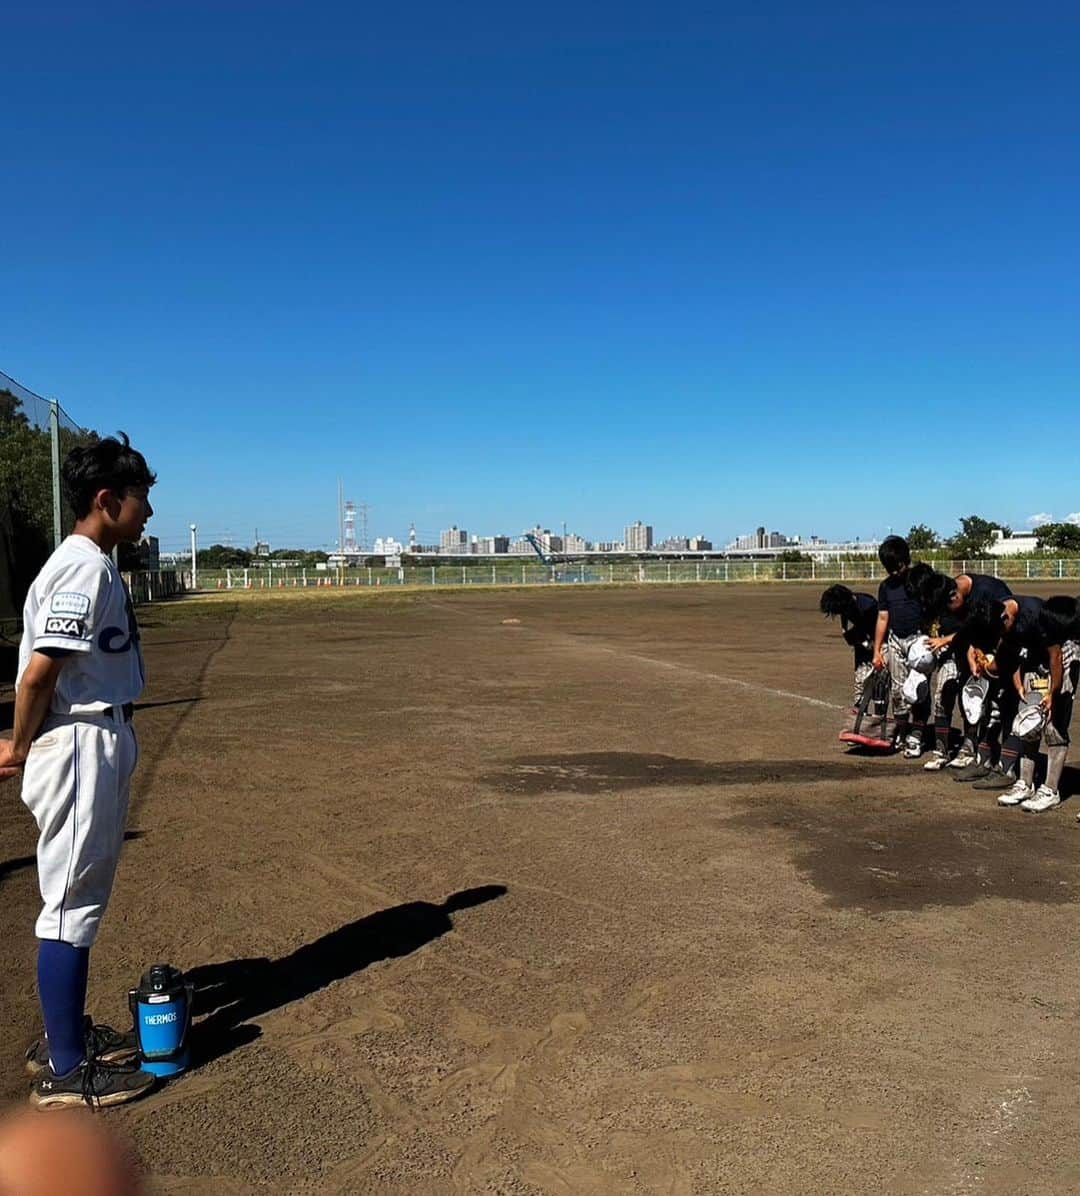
590	902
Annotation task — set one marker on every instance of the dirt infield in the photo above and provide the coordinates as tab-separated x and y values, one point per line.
589	902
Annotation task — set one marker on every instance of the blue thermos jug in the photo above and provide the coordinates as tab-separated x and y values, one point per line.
161	1007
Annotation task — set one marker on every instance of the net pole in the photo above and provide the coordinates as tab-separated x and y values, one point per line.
54	436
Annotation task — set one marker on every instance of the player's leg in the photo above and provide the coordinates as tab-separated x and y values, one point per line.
863	671
1056	734
946	689
76	784
896	659
1005	779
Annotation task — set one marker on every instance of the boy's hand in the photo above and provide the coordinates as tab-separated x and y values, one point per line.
879	661
1047	704
937	642
11	765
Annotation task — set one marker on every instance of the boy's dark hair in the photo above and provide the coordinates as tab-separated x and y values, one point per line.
933	590
1059	619
984	626
839	600
917	578
109	464
894	554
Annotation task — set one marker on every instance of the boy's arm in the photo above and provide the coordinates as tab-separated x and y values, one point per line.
880	632
1057	676
31	705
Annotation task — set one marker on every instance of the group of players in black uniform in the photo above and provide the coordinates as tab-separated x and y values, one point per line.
1011	662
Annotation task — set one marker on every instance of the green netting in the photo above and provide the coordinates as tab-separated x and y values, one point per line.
28	424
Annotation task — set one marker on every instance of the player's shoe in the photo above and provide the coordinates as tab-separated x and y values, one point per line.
1020	793
975	771
91	1083
102	1043
962	759
913	748
1044	799
937	762
995	780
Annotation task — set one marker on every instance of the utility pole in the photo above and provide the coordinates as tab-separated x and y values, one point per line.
341	516
194	559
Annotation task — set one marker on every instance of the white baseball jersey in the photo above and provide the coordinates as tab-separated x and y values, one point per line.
79	604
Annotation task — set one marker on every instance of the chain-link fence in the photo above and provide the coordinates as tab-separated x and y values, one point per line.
856	572
35	436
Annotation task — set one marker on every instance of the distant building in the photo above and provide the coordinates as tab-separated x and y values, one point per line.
143	557
575	543
548	541
1019	544
489	545
454	540
609	546
673	544
638	537
700	544
262	548
388	547
760	539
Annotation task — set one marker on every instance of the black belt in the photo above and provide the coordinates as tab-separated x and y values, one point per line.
125	712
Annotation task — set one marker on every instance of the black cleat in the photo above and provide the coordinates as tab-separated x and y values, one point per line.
994	780
91	1083
103	1043
971	772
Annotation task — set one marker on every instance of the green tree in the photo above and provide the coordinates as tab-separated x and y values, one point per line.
974	537
1059	537
220	556
792	556
922	539
11	411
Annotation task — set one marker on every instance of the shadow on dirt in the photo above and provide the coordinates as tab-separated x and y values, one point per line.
155	754
953	850
229	995
168	702
610	772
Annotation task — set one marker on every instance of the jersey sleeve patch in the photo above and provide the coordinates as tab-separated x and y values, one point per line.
65	625
70	603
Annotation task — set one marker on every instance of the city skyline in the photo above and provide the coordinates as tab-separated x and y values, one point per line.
552	539
459	540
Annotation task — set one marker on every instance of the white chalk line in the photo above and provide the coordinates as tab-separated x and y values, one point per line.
673	665
751	685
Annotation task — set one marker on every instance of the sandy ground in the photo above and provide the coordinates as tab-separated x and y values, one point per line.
590	902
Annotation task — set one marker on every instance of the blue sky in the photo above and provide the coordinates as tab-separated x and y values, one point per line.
709	266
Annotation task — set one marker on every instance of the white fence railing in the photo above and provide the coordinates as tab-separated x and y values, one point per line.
645	572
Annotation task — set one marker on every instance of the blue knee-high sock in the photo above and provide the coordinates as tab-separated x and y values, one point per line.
62	972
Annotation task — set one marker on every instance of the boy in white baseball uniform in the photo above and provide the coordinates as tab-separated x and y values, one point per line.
80	670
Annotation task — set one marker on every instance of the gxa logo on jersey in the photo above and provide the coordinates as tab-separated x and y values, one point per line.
75	628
